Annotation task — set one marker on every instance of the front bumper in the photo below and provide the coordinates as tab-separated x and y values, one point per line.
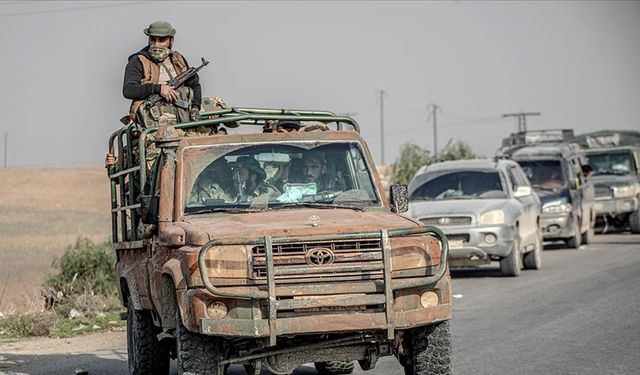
468	246
557	226
616	206
275	310
323	317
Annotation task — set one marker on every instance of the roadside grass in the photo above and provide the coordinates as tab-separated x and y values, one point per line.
81	298
42	211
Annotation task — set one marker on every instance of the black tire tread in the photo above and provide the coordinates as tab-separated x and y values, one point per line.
197	354
147	354
511	264
634	221
575	241
533	259
334	368
429	350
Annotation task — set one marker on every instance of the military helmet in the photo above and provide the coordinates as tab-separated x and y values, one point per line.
252	165
160	28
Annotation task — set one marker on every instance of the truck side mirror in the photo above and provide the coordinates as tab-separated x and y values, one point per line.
149	206
399	198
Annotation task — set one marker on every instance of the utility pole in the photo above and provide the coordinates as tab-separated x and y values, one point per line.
433	109
522	119
382	94
6	137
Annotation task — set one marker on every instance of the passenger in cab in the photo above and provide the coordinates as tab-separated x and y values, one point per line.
314	169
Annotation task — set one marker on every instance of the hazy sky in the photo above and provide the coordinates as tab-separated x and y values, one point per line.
576	62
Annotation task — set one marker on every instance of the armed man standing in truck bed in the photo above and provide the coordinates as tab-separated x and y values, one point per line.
148	72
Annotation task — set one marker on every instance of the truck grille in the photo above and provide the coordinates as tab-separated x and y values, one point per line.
603	192
447	220
351	259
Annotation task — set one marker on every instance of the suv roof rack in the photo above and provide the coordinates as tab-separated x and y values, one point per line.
531	137
259	116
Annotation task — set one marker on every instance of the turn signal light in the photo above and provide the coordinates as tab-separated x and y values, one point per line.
429	299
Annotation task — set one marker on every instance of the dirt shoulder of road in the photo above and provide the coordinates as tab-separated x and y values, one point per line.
37	355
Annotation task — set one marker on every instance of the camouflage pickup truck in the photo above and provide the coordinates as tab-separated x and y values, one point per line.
271	250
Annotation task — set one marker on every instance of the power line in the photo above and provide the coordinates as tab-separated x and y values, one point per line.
36	12
522	119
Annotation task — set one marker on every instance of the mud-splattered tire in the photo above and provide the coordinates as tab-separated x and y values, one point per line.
634	221
428	350
196	354
147	355
533	259
334	368
512	263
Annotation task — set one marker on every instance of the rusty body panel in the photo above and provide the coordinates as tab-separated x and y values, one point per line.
264	278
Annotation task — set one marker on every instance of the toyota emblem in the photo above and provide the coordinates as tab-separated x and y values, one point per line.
320	256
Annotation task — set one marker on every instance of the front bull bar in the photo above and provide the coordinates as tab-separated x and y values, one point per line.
389	285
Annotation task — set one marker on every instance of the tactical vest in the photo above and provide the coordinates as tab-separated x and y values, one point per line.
152	75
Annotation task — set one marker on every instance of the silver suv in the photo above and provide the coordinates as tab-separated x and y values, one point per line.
486	208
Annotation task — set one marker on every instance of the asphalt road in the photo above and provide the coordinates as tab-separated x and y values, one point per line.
580	314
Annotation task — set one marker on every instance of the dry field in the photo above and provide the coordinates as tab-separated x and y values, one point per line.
42	211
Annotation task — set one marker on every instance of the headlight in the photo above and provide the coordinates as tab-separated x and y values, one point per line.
492	217
624	191
557	207
230	261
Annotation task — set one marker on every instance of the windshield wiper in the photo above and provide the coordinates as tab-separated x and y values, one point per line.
319	205
233	210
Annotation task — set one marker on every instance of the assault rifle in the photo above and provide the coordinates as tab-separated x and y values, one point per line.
175	83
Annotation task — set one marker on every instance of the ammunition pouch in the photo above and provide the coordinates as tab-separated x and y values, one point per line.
163	113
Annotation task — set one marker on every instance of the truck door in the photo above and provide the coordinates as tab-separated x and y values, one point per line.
528	228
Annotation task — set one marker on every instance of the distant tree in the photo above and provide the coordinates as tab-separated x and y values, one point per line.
456	150
412	157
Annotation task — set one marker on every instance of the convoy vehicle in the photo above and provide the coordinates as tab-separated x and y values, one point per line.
614	156
559	173
242	249
487	209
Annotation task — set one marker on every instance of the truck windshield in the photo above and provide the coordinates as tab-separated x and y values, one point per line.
543	174
618	163
461	185
278	176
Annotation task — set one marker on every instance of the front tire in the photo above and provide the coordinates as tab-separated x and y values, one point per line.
334	368
196	354
512	263
634	221
428	350
146	354
574	242
533	259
